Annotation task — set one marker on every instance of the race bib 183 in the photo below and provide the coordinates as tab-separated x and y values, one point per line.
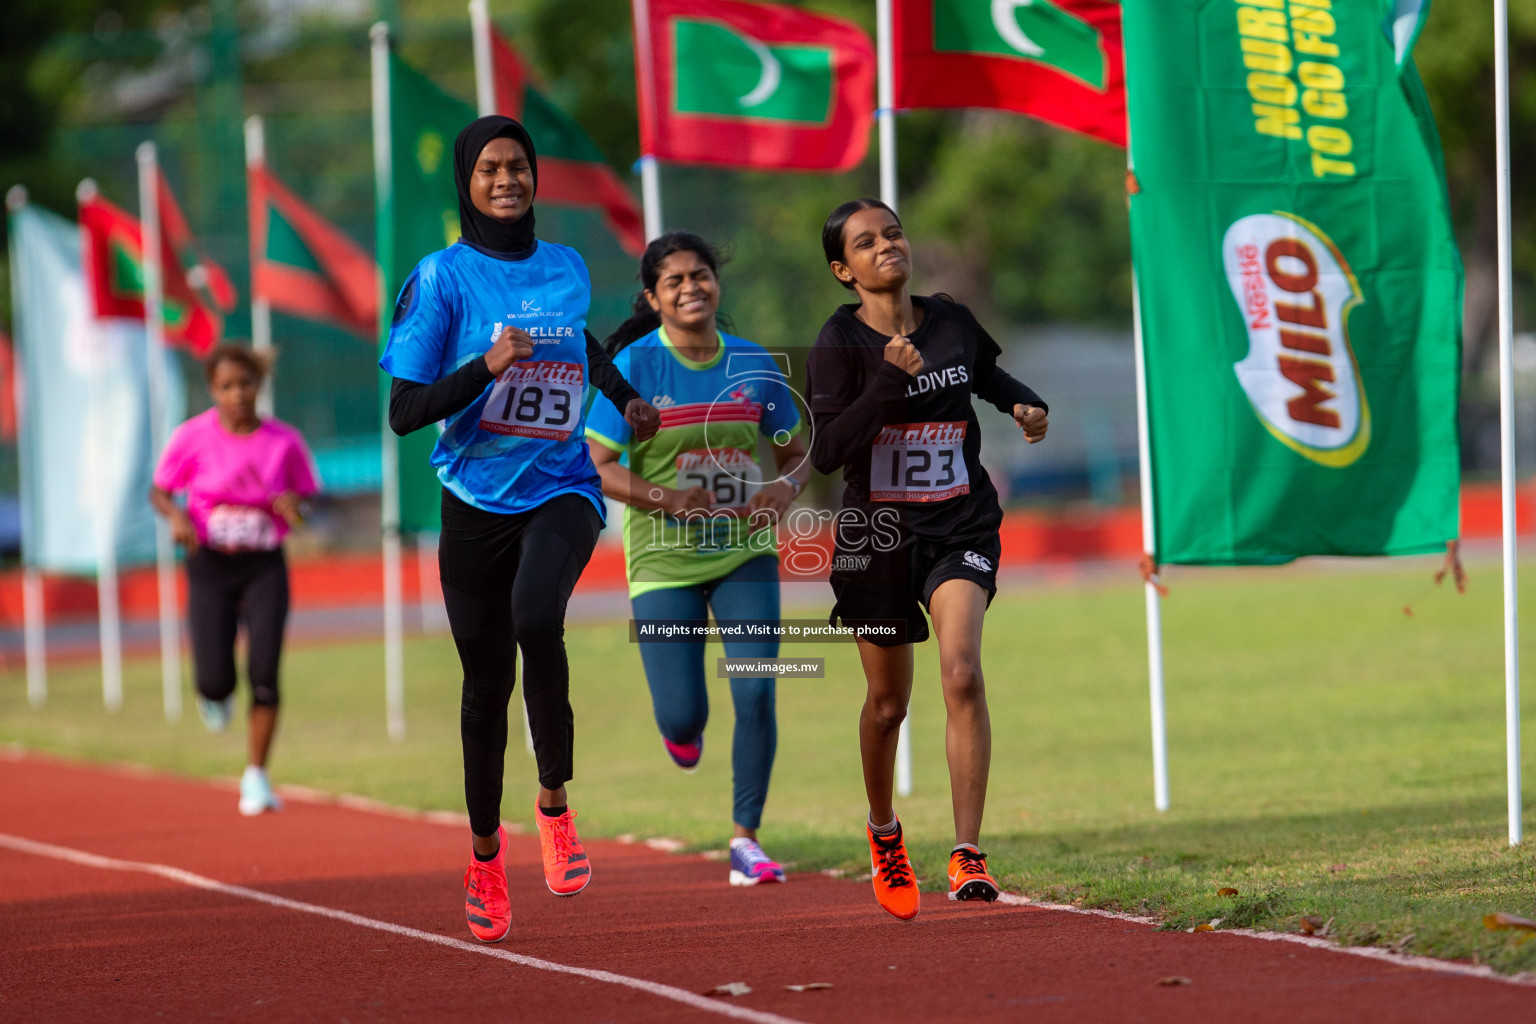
918	462
535	399
732	475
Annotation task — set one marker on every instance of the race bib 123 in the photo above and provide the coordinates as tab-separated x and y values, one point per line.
918	462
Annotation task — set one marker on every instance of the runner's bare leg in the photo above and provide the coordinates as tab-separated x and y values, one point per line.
957	608
888	672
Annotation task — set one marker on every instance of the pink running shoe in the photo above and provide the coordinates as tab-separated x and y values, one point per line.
566	868
685	755
486	904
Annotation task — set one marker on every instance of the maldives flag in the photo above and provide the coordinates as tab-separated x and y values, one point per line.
572	169
303	265
1058	60
752	85
113	242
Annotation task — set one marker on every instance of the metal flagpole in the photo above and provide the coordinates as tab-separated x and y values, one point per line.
886	66
1507	424
154	335
485	70
1149	545
394	607
261	307
886	118
34	636
650	170
103	517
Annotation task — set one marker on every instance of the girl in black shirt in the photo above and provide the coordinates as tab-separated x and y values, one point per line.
891	381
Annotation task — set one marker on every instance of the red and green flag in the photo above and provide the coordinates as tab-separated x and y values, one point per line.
572	170
176	239
1057	60
114	256
752	85
303	265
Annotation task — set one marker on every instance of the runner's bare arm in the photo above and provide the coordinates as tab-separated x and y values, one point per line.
182	530
777	496
623	484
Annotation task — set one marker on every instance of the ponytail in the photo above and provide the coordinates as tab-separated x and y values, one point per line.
642	321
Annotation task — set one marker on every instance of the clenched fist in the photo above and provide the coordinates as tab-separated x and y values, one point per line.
642	418
512	345
1031	419
900	351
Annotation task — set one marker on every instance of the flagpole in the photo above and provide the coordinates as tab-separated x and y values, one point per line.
154	335
485	71
394	605
1154	598
261	306
103	510
33	633
885	117
885	61
650	169
1507	426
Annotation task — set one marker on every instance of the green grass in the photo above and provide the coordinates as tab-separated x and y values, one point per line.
1330	755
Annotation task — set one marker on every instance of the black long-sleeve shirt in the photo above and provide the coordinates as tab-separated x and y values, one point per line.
912	441
413	405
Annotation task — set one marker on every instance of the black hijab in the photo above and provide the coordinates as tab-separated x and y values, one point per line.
479	228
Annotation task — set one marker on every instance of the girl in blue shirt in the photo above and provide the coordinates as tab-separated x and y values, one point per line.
489	337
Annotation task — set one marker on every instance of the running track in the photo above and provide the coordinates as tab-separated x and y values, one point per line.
141	898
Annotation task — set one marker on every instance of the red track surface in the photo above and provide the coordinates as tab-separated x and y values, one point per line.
81	943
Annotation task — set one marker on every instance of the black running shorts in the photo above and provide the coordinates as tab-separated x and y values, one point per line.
882	594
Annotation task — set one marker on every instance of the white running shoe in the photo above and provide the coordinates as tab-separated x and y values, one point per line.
256	796
215	713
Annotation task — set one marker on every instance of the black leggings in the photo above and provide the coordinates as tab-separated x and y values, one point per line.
506	581
222	589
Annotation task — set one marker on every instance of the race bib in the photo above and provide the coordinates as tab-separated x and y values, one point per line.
535	399
242	528
732	475
918	462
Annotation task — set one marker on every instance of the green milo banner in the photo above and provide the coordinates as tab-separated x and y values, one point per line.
419	215
1300	287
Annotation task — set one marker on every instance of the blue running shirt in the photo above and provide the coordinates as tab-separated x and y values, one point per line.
712	415
522	442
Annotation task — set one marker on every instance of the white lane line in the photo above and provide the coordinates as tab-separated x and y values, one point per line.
677	995
1422	963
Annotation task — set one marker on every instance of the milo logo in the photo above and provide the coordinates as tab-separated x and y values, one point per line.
1294	290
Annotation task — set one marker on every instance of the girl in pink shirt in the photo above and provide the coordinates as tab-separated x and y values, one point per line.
244	478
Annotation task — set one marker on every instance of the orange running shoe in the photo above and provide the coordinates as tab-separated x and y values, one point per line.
968	878
891	871
566	868
485	895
